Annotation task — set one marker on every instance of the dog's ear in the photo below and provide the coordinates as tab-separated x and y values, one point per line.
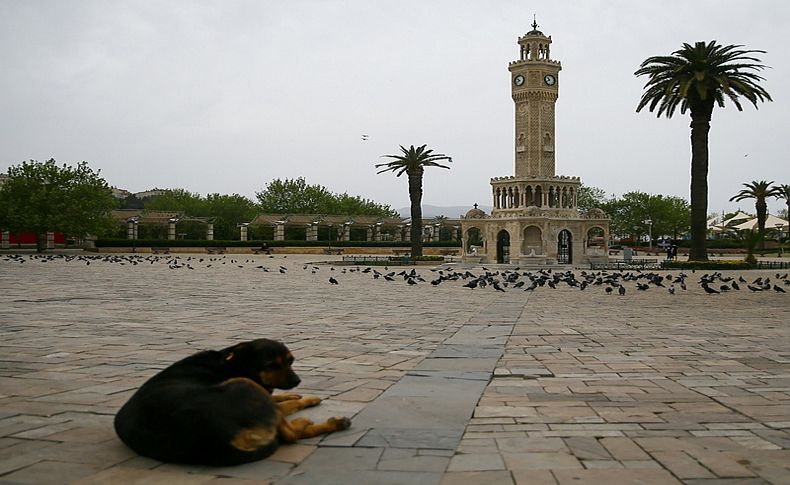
231	353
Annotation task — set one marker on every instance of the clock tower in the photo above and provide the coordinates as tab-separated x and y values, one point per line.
534	87
535	220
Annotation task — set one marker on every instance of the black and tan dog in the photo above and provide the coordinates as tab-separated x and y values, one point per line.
217	408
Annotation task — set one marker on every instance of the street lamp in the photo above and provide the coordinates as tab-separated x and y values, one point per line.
779	236
649	223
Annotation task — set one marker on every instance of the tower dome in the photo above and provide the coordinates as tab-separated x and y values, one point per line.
475	213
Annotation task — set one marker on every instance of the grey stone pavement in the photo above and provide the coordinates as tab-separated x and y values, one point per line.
444	384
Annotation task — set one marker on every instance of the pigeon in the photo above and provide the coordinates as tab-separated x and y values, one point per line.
333	281
621	290
779	289
710	290
671	290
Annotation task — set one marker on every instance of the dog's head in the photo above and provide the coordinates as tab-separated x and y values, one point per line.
265	361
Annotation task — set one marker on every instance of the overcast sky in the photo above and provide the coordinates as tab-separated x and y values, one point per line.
224	96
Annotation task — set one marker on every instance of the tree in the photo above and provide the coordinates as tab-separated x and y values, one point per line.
41	196
293	196
412	162
345	204
668	216
677	216
179	200
783	192
296	196
697	78
759	191
590	198
228	211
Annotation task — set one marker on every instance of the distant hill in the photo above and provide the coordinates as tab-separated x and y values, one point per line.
453	211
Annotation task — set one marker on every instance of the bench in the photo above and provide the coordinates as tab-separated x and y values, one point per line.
401	252
333	250
362	259
627	264
215	250
261	250
160	250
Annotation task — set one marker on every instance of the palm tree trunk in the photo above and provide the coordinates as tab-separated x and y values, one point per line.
415	197
762	211
700	126
40	242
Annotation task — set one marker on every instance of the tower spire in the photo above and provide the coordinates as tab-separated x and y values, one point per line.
534	23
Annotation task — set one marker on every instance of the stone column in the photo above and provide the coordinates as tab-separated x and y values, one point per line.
377	232
50	240
243	232
346	232
312	232
171	230
279	232
209	232
136	226
369	234
6	240
130	229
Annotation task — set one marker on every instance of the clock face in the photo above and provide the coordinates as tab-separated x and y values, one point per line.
518	80
549	79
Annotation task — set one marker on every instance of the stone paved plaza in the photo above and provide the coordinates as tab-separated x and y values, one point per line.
444	384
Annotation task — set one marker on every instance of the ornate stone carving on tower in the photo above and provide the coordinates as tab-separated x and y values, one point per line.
534	89
535	218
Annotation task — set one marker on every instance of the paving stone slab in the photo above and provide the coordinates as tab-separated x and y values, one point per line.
361	477
433	438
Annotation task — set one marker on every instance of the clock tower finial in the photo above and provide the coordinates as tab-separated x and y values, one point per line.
534	23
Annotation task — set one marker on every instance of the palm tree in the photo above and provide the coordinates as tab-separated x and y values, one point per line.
759	191
697	78
413	162
783	192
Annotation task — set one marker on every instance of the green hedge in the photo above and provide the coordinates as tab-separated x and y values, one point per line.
200	243
428	258
707	265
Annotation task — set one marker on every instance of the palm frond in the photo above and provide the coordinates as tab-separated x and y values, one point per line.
699	75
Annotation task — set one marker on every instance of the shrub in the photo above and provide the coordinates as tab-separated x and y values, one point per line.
707	265
428	258
200	243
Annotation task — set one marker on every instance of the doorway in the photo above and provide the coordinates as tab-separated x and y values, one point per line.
564	247
503	247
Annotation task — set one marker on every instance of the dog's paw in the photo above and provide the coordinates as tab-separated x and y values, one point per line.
311	401
287	396
339	422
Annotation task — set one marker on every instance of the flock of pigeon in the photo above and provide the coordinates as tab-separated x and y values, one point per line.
611	282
